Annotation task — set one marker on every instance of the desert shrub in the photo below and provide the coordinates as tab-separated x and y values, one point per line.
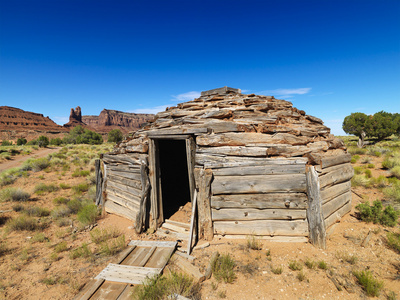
162	287
322	265
9	176
253	243
393	192
80	188
60	200
56	142
14	194
294	265
3	248
88	214
35	211
380	182
32	142
45	188
80	173
355	150
61	247
377	214
42	141
301	276
354	159
82	251
79	135
366	160
36	165
310	264
64	186
368	173
113	246
358	170
115	136
101	235
393	241
6	143
395	171
391	160
18	207
21	141
23	223
61	212
222	268
370	285
91	195
360	180
349	258
370	166
39	237
75	205
277	270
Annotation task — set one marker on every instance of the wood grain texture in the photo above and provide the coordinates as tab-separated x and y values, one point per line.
243	214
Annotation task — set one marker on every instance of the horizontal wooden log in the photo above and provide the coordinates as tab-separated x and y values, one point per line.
234	150
127	175
221	161
260	201
328	161
333	205
135	200
262	227
244	214
113	208
329	169
274	239
248	139
117	198
124	168
340	175
333	191
143	148
126	181
124	188
260	170
126	158
255	184
176	130
337	215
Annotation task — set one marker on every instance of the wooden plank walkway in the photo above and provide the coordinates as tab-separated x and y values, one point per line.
117	281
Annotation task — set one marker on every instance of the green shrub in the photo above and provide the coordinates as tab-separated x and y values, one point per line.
322	265
370	285
39	237
301	276
368	173
3	248
23	223
61	212
60	200
377	214
10	176
253	243
370	166
75	205
80	173
295	265
115	136
395	171
82	251
391	160
56	142
44	188
113	246
6	143
393	241
88	214
101	235
310	263
61	247
393	192
360	180
222	268
64	186
42	141
277	270
14	194
380	182
35	211
36	165
358	170
21	141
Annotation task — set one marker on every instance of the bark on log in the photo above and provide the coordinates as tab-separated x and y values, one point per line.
314	212
260	201
255	184
262	227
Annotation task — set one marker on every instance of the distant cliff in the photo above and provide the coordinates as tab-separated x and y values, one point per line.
112	119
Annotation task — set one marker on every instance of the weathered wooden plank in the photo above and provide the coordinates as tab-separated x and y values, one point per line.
128	175
131	190
133	199
340	175
234	150
180	224
221	161
337	215
127	274
122	202
276	238
314	211
112	207
153	175
203	183
255	184
125	181
108	291
328	161
260	170
249	139
141	148
188	268
124	168
243	214
175	228
99	182
333	205
192	221
141	219
90	288
176	130
140	243
160	257
333	191
262	227
131	158
172	234
261	201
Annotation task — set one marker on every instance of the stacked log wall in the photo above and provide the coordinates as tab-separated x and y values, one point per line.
255	195
123	187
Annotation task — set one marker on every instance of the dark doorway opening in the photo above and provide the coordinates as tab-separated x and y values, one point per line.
175	185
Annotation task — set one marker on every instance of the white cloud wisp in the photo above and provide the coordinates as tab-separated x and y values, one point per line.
288	93
186	96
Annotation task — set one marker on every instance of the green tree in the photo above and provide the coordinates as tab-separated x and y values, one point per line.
115	136
6	143
21	141
42	141
80	135
381	125
56	141
356	123
396	121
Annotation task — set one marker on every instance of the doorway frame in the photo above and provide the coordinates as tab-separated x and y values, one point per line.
156	203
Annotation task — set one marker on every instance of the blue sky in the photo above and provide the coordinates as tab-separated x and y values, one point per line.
330	58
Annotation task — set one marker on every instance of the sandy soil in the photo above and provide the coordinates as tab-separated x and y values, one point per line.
27	264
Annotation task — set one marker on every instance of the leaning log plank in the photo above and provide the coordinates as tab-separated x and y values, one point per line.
260	170
129	159
333	205
337	176
141	218
336	216
188	268
243	214
314	211
262	227
258	184
203	183
208	273
125	168
113	208
333	191
234	150
260	201
193	219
